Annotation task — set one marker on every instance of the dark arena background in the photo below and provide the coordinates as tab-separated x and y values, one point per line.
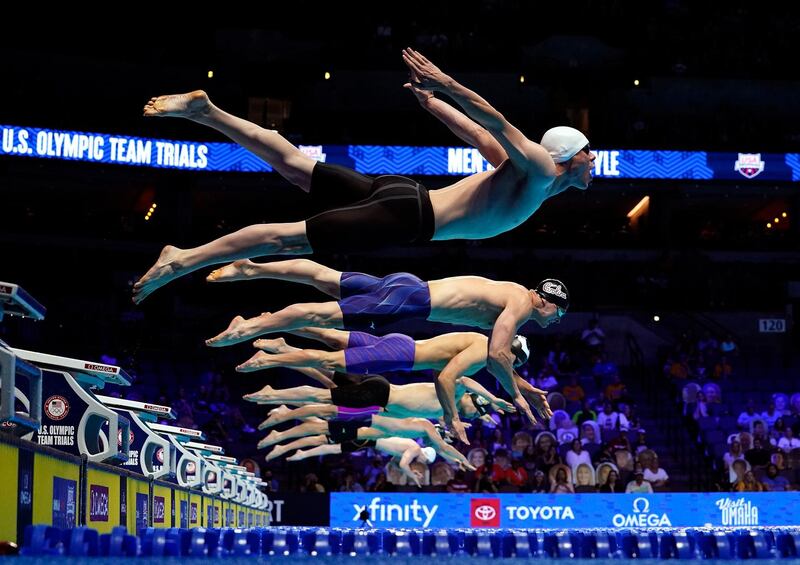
673	376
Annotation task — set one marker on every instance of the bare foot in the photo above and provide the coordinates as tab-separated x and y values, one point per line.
272	438
276	416
257	362
277	451
236	271
238	331
190	105
277	345
167	268
263	396
296	456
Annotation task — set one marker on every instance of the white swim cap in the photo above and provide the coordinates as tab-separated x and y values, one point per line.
429	453
563	143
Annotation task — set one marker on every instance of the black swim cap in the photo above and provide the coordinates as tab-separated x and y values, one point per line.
554	291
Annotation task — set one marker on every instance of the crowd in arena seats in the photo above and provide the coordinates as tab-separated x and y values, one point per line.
750	435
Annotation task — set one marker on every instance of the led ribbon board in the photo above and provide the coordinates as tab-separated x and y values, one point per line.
380	159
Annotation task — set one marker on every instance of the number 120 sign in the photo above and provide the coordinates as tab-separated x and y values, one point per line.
772	325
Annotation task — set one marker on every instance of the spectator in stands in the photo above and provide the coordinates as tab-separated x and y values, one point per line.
584	414
747	416
590	435
202	401
577	455
485	485
611	420
774	481
567	431
640	444
584	478
539	483
788	442
557	355
517	475
351	485
746	440
751	484
770	415
502	464
547	460
311	484
700	406
739	468
655	475
373	470
781	403
519	443
458	483
477	458
546	380
498	441
612	483
723	369
619	442
478	439
759	429
776	430
561	484
615	391
779	460
271	482
679	368
793	419
638	484
728	347
573	391
758	456
379	485
604	456
734	453
593	337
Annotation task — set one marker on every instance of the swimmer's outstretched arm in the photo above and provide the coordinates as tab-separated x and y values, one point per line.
522	152
464	128
474	386
446	386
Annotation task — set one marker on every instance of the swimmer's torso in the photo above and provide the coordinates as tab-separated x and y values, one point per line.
472	301
487	204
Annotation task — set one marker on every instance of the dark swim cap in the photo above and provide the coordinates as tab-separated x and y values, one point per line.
554	291
520	349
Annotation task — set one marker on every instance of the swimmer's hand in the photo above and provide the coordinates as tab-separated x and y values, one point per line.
422	95
538	398
459	430
429	76
524	408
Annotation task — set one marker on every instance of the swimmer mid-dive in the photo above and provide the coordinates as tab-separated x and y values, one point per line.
351	211
453	354
404	451
373	428
367	302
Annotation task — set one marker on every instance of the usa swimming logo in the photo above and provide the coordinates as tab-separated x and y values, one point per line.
749	165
